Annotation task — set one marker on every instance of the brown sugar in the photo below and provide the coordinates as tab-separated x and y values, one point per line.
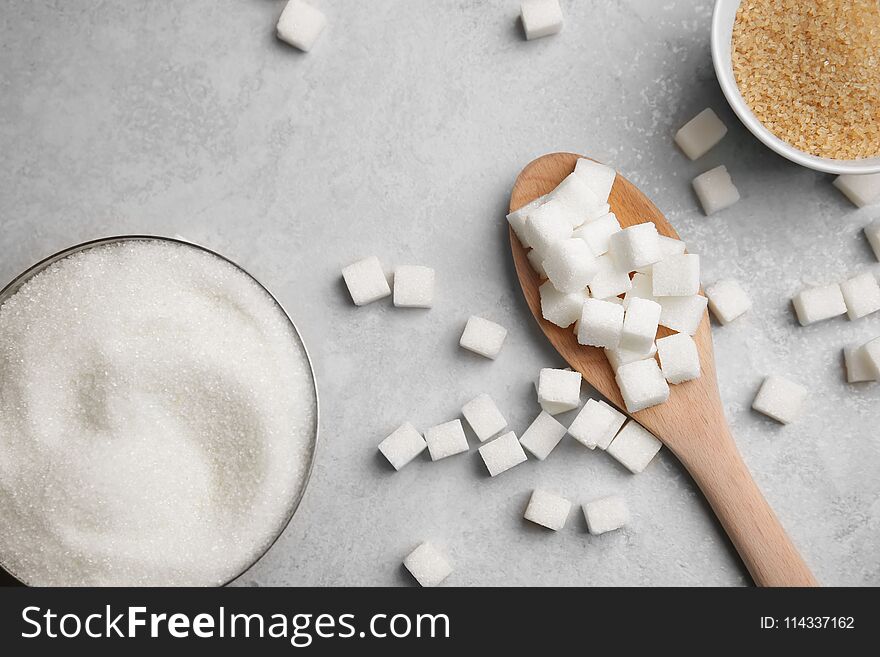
810	71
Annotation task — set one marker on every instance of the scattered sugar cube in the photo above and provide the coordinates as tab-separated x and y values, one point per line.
872	232
682	314
366	281
597	234
484	417
818	303
570	265
727	300
427	565
446	439
676	276
541	18
560	308
679	359
780	399
858	368
574	193
862	190
871	350
546	225
596	424
542	436
610	280
547	510
300	25
606	514
700	134
636	246
502	454
618	357
518	218
483	337
861	294
559	390
402	446
634	447
641	385
715	190
601	323
413	286
599	177
640	325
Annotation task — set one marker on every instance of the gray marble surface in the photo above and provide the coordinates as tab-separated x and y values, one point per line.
400	135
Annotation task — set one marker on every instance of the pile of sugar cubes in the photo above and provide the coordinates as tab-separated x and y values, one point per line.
578	244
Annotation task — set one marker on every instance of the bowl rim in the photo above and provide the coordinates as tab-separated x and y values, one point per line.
13	286
734	98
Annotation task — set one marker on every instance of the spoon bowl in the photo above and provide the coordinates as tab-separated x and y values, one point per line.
691	423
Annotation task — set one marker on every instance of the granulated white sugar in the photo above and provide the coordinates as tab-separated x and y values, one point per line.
157	419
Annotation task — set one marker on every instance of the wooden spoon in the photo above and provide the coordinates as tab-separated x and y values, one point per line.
691	424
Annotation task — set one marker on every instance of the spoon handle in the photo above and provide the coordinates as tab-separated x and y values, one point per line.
754	529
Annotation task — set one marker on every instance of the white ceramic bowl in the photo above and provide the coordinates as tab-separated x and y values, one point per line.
722	31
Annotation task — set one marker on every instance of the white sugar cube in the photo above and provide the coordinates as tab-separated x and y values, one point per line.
610	280
483	337
872	232
727	300
541	18
819	303
600	324
599	177
679	358
636	246
502	454
300	25
641	385
574	193
862	189
570	265
618	357
669	246
547	510
640	325
413	286
606	514
861	294
715	190
676	276
366	281
536	260
518	218
597	234
560	308
542	436
700	134
858	368
780	399
427	565
483	416
402	446
634	447
446	439
642	288
546	225
596	424
871	350
682	314
559	390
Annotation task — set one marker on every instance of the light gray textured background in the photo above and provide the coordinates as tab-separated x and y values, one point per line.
400	135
